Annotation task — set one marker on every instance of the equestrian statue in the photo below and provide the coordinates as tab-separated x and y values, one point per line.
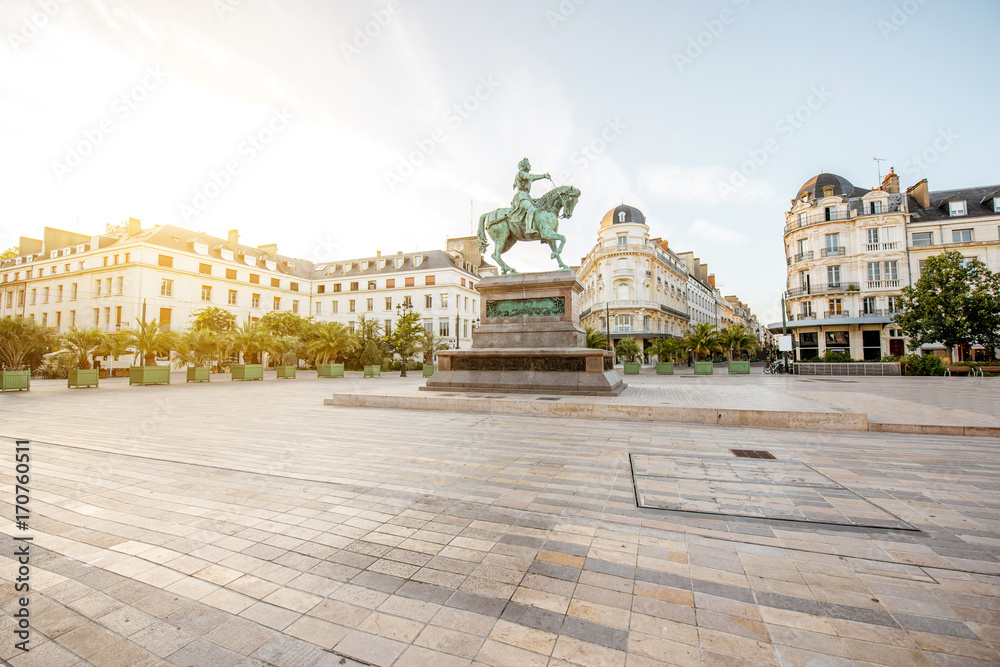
528	219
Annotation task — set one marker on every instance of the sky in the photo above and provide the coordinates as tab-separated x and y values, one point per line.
337	129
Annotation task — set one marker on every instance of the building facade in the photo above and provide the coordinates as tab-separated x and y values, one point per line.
113	280
634	285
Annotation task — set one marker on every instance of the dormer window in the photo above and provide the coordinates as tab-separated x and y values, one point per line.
418	260
621	216
996	204
399	262
874	207
348	266
364	266
956	208
828	190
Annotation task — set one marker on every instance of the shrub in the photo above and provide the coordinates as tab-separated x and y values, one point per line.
831	357
928	364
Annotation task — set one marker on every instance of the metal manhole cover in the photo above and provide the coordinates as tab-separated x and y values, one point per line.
547	398
752	453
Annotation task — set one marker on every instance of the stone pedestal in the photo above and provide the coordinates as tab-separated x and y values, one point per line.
530	341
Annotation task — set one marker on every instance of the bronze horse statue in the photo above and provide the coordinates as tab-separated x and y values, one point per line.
554	204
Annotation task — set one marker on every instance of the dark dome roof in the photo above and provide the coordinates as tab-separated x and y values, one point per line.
615	217
814	186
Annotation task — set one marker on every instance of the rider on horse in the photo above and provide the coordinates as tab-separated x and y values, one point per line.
523	206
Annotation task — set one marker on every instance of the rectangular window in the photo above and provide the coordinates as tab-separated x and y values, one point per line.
295	305
205	268
354	287
443	327
118	314
961	236
387	324
206	293
388	303
107	316
120	285
72	292
428	324
254	279
873	235
255	300
232	297
893	304
351	306
371	305
97	317
293	287
165	260
874	207
956	208
336	287
466	303
59	293
319	307
828	212
97	289
923	238
622	239
333	307
890	271
390	283
372	285
72	318
835	307
833	276
408	282
832	241
920	268
428	301
275	282
105	261
444	299
128	255
45	316
428	280
276	304
320	289
66	268
107	285
230	274
45	295
869	305
165	318
873	271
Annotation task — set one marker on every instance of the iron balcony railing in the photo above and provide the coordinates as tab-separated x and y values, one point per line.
833	252
834	315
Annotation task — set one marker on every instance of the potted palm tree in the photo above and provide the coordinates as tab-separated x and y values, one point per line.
734	340
115	345
284	350
666	349
428	343
628	351
328	340
150	340
79	347
22	340
248	341
703	340
196	350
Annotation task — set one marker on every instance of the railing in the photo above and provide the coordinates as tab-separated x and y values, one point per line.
623	329
830	316
882	210
802	256
877	247
883	284
877	312
815	219
833	252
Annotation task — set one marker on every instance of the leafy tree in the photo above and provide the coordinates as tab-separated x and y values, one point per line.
248	340
430	343
10	253
151	340
287	323
328	340
80	345
628	349
23	343
596	340
404	339
368	330
702	340
198	347
371	356
215	319
956	301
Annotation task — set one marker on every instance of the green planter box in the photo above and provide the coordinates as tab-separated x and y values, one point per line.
703	368
373	371
631	367
247	371
330	371
198	374
144	375
429	370
83	377
287	372
665	368
15	380
742	367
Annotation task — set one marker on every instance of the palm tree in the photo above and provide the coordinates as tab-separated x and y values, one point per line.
198	347
80	346
115	345
702	340
628	349
739	338
328	340
23	342
151	340
284	349
667	349
247	340
429	343
596	340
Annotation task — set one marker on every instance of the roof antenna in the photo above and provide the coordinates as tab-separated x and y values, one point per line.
877	160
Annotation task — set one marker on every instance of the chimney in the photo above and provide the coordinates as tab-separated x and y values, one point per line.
711	280
891	182
270	249
378	253
920	193
134	226
233	242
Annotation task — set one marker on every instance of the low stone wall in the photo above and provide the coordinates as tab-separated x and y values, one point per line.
870	369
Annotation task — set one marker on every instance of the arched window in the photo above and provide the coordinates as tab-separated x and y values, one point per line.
621	216
622	292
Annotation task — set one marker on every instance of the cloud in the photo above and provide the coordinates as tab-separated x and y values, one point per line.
704	229
701	185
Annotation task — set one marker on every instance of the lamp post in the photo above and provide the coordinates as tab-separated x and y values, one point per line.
401	311
458	315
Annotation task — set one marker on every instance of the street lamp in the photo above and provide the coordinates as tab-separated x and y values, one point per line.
458	315
403	310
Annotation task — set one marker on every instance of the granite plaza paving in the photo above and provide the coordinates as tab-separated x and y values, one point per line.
250	524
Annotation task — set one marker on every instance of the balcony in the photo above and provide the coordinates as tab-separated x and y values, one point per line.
818	218
833	252
881	247
835	315
802	256
882	284
877	312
